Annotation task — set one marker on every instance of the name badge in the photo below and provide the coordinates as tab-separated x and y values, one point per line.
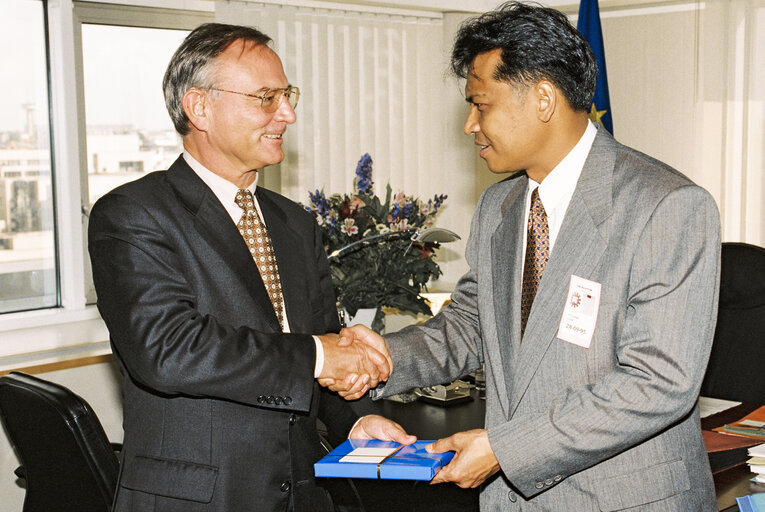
581	312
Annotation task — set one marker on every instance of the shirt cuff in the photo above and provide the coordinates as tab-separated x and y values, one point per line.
319	358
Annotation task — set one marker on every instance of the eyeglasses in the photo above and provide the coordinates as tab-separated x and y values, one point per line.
271	98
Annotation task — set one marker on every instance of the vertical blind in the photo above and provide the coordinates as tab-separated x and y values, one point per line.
370	83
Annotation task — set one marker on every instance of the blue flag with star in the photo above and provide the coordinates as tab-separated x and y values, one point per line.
589	25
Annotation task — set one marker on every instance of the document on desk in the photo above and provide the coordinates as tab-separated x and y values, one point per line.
370	458
752	425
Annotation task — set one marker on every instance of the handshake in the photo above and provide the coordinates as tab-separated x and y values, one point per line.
355	361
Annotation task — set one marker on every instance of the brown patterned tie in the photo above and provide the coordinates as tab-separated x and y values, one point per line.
537	254
256	237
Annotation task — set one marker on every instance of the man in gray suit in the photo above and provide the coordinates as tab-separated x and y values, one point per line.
592	312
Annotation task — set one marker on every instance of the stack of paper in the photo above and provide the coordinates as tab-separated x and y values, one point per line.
752	503
757	462
752	425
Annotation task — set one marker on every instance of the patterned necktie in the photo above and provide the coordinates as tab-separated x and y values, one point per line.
256	237
537	253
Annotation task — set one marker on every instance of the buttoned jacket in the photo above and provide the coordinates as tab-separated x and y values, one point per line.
614	426
220	406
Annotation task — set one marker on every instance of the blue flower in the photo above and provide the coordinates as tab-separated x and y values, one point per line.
331	222
363	181
320	202
436	202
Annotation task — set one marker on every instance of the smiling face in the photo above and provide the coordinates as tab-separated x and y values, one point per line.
504	118
233	136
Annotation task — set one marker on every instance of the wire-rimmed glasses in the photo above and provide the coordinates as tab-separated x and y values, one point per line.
270	99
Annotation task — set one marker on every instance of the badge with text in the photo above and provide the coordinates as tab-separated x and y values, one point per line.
581	312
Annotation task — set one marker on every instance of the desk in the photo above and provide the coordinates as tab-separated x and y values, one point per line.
732	482
428	421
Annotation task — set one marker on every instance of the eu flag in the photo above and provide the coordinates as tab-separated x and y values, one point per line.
589	25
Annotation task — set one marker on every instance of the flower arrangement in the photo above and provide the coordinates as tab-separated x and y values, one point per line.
383	266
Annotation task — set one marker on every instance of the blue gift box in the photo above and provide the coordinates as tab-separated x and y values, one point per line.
370	458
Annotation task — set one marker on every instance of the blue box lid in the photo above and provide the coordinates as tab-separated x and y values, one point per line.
370	458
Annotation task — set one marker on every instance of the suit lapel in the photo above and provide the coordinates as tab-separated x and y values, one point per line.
578	250
506	249
288	249
214	227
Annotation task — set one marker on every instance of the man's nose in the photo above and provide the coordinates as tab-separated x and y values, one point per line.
285	112
471	123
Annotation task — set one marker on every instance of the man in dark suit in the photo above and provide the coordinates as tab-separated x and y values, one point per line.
591	297
211	288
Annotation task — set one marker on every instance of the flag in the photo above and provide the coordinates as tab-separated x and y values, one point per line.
589	25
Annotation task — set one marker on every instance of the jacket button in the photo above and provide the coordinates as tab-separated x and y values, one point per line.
278	400
293	419
285	486
512	497
548	481
539	485
269	399
261	399
558	478
287	400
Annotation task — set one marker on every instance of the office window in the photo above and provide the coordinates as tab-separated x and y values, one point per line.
28	268
128	129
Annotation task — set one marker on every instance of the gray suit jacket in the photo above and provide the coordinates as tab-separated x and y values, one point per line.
612	426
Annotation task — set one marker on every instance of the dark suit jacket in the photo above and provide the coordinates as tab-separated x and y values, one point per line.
220	407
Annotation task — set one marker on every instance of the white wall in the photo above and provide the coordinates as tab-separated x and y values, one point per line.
686	87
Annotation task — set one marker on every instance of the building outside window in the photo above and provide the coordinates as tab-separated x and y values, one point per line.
128	129
28	268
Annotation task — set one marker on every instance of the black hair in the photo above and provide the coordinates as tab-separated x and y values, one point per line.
538	43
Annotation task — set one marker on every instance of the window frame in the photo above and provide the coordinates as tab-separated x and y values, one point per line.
74	327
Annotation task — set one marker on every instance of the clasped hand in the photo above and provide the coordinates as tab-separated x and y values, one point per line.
352	366
354	362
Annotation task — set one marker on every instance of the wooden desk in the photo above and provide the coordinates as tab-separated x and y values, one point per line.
733	483
736	481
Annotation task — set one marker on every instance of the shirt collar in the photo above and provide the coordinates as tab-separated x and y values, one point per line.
559	185
223	189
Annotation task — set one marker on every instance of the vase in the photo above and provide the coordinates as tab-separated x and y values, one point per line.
363	316
373	318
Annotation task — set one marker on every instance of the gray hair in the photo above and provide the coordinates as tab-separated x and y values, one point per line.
192	64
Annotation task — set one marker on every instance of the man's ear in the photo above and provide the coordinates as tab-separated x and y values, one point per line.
197	108
548	97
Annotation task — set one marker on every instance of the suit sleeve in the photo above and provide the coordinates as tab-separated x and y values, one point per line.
447	346
661	354
160	336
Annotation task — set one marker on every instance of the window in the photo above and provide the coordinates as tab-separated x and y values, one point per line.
28	269
128	129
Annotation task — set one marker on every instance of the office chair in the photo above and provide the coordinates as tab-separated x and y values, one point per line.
66	458
735	370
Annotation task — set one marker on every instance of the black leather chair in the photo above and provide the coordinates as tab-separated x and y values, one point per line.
735	370
67	460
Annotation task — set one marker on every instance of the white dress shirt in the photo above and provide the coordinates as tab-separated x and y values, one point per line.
556	188
226	191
